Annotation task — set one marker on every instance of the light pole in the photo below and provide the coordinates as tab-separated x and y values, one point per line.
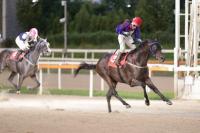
4	2
64	20
34	2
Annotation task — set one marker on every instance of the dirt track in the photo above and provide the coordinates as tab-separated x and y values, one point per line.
65	114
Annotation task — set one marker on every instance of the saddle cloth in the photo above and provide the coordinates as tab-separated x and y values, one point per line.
122	59
14	57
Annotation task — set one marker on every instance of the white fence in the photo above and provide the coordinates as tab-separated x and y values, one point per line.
89	56
63	65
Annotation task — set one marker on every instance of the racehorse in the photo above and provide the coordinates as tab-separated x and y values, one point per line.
134	72
27	67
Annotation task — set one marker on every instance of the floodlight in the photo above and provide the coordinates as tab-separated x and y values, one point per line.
34	1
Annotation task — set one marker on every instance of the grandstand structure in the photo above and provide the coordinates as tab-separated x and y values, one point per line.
186	48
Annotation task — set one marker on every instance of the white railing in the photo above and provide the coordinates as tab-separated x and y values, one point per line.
86	53
92	52
57	57
152	67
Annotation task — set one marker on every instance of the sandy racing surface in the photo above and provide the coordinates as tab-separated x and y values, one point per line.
67	114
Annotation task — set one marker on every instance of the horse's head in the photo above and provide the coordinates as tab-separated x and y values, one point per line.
43	46
156	50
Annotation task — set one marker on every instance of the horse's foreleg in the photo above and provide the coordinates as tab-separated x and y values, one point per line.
155	89
145	95
21	79
11	77
135	82
34	77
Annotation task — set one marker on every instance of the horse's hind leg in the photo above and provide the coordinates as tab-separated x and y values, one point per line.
34	77
11	77
2	66
111	85
155	89
120	99
108	97
112	91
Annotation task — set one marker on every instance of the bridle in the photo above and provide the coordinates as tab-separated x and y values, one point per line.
152	49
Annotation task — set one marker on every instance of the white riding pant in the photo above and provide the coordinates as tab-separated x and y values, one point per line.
23	45
125	40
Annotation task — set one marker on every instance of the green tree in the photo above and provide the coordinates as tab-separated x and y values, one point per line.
1	17
82	19
45	15
157	14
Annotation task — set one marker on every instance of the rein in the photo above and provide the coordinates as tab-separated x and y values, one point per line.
28	61
133	65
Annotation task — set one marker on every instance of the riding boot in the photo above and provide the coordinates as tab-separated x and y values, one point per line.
26	51
18	54
117	60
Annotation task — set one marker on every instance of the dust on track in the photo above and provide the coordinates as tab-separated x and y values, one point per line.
70	114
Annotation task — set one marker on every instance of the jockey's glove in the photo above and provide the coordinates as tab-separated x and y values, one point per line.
126	34
33	43
137	41
27	47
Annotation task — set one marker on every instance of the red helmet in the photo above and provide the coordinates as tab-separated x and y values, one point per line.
33	33
137	21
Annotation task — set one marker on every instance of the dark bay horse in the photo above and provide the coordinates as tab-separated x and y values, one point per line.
27	67
134	72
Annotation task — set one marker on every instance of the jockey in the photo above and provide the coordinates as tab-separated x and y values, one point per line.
128	33
24	39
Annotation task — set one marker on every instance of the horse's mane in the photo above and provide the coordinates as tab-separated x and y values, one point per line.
40	40
139	47
142	45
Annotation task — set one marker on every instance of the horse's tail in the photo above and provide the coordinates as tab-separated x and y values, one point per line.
3	55
84	66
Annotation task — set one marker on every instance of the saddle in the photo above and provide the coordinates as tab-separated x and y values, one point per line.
17	55
122	60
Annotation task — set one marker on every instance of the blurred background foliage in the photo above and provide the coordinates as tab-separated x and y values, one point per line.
91	24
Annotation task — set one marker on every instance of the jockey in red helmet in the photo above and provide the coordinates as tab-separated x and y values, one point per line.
128	33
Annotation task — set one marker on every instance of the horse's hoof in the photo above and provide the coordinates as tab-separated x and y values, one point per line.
29	88
18	92
169	103
128	106
147	103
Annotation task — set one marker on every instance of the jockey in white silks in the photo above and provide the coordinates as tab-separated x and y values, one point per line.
128	33
23	40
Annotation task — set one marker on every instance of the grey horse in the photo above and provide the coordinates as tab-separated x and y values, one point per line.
27	67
